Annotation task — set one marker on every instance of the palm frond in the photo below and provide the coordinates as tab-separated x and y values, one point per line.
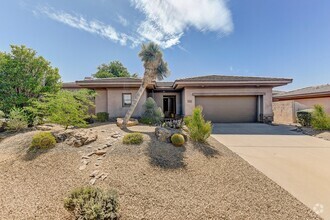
162	70
150	52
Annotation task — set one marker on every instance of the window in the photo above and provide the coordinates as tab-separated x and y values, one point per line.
127	99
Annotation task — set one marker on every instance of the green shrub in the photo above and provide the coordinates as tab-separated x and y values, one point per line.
304	117
177	139
43	140
17	120
2	115
320	119
92	203
152	113
102	116
199	130
133	138
67	108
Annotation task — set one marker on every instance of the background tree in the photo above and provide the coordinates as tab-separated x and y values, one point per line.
67	108
24	76
113	69
154	68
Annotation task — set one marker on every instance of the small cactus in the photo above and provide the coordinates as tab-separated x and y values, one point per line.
177	139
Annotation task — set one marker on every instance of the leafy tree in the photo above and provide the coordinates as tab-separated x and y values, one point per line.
24	76
65	107
113	69
154	68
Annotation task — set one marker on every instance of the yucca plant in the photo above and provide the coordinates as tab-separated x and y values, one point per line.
154	68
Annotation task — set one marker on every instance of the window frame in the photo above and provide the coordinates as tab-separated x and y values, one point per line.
123	101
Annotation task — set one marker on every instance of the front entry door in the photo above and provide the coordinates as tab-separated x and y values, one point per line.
169	106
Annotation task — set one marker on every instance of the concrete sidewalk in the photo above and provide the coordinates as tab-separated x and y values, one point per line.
298	163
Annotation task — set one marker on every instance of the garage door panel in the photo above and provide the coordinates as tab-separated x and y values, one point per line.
229	109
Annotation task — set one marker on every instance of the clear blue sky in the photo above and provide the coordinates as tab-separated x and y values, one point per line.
277	38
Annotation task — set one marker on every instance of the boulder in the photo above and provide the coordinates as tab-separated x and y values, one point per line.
76	138
130	123
163	134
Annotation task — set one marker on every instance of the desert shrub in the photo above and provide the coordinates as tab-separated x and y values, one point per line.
152	113
93	204
304	117
133	138
177	139
187	119
102	116
320	119
17	120
43	140
2	115
199	129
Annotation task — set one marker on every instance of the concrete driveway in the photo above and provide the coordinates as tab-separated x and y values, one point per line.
299	163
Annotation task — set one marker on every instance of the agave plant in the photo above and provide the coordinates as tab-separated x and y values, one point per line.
154	68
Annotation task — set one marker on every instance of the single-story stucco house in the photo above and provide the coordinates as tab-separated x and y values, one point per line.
223	98
286	104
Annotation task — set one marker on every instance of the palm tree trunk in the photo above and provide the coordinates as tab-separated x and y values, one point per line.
134	104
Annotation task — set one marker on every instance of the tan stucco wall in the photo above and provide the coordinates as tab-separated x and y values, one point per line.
309	103
284	112
158	97
101	100
188	103
115	105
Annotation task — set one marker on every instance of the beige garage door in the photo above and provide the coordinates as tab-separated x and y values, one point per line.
229	109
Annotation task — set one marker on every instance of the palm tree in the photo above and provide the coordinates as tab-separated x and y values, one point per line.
154	68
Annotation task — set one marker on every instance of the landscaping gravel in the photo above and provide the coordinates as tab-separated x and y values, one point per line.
154	180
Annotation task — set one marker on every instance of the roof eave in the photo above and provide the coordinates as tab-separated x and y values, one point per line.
302	96
274	83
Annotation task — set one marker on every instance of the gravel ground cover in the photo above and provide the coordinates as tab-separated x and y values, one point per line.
155	180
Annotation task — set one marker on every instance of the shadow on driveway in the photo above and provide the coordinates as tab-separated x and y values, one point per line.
252	129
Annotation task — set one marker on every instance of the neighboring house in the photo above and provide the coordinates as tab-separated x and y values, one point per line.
223	98
286	104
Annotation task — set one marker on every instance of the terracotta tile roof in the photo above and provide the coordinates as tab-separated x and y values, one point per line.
321	89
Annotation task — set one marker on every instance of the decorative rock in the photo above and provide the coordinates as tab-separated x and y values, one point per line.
109	145
100	152
95	172
85	157
97	164
100	158
130	123
90	154
43	128
76	138
163	134
99	176
92	181
104	176
82	167
115	135
86	162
